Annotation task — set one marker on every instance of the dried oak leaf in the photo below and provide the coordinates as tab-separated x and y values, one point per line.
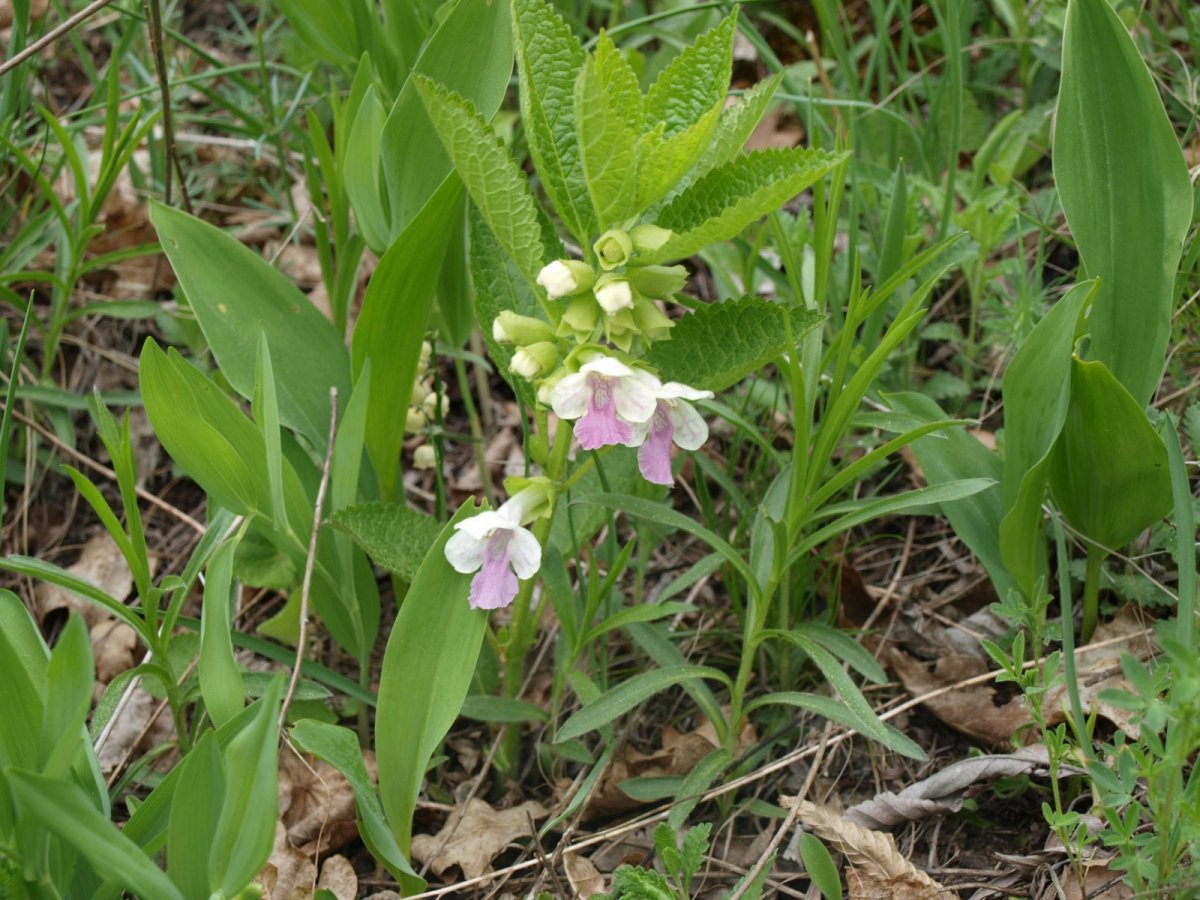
585	879
945	791
316	804
474	835
971	710
876	868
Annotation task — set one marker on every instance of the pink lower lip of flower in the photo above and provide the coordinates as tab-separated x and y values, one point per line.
654	456
495	585
601	426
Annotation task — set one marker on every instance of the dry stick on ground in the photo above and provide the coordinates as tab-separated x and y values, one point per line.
784	762
311	559
53	35
155	28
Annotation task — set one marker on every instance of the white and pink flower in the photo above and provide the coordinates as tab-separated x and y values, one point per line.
496	545
674	421
608	398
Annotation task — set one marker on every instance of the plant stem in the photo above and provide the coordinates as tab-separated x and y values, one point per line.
523	624
1091	593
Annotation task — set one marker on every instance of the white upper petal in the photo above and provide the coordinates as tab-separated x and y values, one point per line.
464	552
690	428
673	390
571	396
524	552
607	366
635	399
483	524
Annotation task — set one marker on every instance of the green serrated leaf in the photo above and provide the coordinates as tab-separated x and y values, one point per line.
608	116
490	174
548	58
662	162
396	537
499	286
730	197
719	344
695	81
632	883
1191	427
736	125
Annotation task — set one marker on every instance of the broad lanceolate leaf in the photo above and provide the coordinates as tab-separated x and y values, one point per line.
392	324
216	444
1125	191
694	82
549	57
730	197
427	670
194	815
62	808
490	174
339	747
1037	391
244	832
629	694
414	162
1109	471
237	296
608	117
220	679
954	455
718	344
363	175
396	537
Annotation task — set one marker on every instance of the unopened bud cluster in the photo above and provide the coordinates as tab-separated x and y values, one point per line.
620	301
423	409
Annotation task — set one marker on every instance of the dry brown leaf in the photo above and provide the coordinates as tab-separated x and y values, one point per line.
971	710
1099	669
115	648
316	805
872	855
945	791
100	564
474	835
1100	883
584	877
288	874
338	876
681	751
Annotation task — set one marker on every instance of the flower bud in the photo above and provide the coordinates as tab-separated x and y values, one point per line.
433	404
579	319
650	320
546	386
533	498
565	277
424	457
659	282
614	248
424	358
530	362
414	421
419	393
614	294
512	328
648	238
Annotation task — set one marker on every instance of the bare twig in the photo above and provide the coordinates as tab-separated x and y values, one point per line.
53	35
155	28
310	560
